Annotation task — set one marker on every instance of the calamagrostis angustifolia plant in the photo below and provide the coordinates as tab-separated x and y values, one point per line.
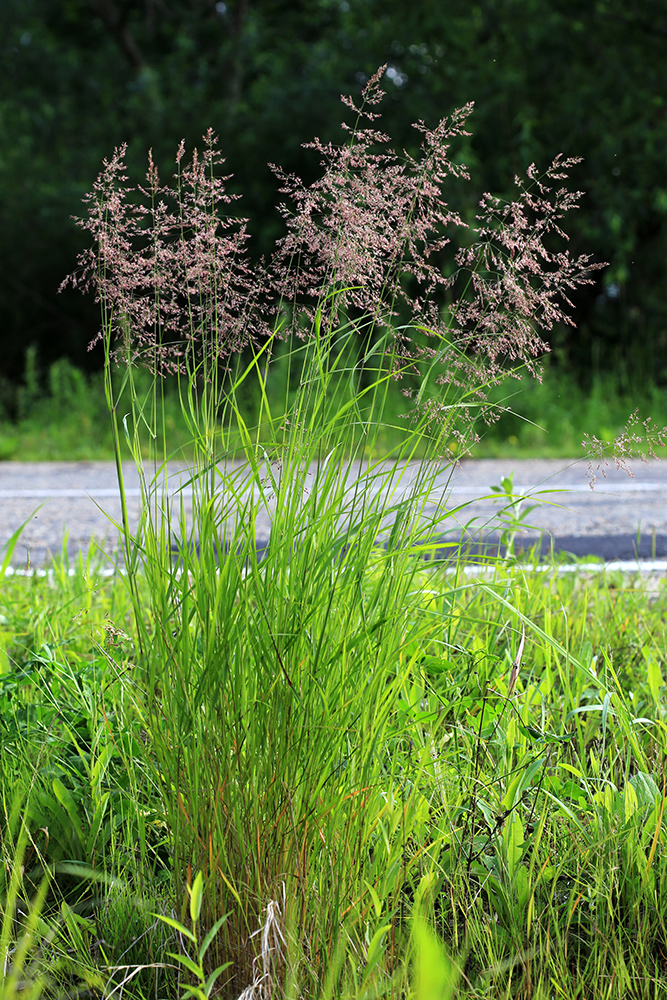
367	244
271	688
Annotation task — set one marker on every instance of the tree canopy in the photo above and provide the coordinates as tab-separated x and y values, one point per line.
581	77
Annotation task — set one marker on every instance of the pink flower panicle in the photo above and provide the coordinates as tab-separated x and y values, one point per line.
168	265
638	439
369	222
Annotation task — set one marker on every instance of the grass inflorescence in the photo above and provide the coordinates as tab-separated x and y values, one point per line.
331	767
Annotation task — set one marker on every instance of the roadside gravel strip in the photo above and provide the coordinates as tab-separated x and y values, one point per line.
622	518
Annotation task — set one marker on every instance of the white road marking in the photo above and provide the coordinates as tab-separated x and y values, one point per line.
482	492
628	566
34	494
601	489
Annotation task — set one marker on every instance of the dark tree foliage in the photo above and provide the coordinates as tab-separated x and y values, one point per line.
581	77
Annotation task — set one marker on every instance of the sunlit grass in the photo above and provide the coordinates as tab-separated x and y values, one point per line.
523	823
526	826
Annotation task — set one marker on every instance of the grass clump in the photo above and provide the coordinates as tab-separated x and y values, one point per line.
504	794
331	768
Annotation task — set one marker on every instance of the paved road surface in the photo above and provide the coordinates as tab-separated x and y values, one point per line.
621	518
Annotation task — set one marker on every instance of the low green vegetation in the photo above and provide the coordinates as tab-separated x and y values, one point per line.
64	417
347	762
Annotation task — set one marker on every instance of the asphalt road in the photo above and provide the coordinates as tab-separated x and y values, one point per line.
73	503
